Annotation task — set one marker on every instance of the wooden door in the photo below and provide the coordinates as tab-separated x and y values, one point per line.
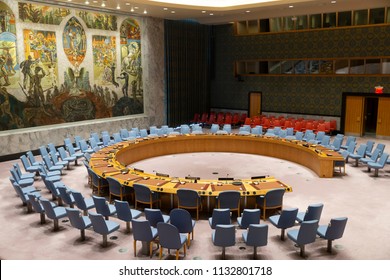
354	111
383	119
254	104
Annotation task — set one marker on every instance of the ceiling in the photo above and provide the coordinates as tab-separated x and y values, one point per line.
219	11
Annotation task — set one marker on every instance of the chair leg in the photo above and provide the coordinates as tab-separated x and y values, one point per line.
329	248
254	252
135	247
127	227
302	253
56	227
185	250
105	240
177	254
43	218
376	172
282	234
82	233
160	252
189	239
151	248
223	253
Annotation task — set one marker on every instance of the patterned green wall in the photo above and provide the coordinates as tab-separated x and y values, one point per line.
315	94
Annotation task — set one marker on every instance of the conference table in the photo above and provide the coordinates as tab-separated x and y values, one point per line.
116	161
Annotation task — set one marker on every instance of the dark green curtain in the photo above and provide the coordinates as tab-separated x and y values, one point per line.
187	70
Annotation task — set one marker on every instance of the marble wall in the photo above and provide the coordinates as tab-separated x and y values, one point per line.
152	30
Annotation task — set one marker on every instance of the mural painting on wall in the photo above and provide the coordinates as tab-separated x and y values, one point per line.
99	21
131	70
42	14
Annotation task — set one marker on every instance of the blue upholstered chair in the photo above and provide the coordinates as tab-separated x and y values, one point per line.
145	196
155	216
103	207
229	199
21	174
249	216
219	217
99	184
256	236
306	234
37	206
360	153
336	144
334	230
171	238
84	147
189	199
372	158
224	236
32	159
24	195
65	156
27	166
83	203
67	142
78	221
116	137
325	141
66	196
73	152
348	141
370	145
144	232
380	164
313	212
118	190
102	226
126	214
22	182
94	145
96	137
182	219
50	166
53	212
285	220
273	199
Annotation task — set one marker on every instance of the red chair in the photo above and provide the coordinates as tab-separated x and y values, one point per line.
228	118
297	126
243	118
212	118
220	118
204	117
196	118
236	119
333	125
266	123
256	121
321	127
248	121
327	127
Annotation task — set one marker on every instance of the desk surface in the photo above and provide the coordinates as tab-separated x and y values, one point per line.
113	161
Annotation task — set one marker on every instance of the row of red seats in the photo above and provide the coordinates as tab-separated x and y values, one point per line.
220	118
299	124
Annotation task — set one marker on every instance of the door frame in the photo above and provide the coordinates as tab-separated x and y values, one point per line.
362	94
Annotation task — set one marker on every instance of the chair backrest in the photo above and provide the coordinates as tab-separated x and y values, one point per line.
383	159
325	140
257	235
75	218
350	139
337	143
313	212
351	147
101	205
31	157
229	199
114	185
47	161
299	135
370	145
375	154
98	223
142	192
250	216
287	218
19	191
225	235
117	137
43	151
381	147
36	205
66	195
336	228
361	151
123	210
52	148
62	153
274	197
187	197
307	232
154	216
220	217
70	149
214	128
320	135
181	219
124	133
15	175
141	230
79	200
49	210
169	236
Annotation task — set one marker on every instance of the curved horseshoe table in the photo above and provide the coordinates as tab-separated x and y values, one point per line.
113	161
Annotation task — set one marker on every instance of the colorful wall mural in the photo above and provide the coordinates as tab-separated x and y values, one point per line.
82	81
41	14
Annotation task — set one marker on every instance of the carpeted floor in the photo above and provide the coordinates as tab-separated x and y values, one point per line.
358	195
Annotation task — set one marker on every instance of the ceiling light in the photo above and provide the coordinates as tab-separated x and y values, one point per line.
118	7
136	8
203	12
95	1
145	12
247	11
211	14
132	9
87	2
172	12
291	6
127	4
333	2
103	3
165	9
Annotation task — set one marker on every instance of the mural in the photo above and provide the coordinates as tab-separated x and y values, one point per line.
104	60
32	90
9	74
99	21
41	14
131	70
74	41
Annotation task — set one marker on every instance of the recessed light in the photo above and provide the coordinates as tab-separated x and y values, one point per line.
211	14
132	9
333	2
87	2
95	1
127	4
203	12
165	9
247	11
103	3
136	8
145	12
291	6
172	12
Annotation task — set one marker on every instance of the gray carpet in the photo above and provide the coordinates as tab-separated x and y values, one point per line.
358	195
